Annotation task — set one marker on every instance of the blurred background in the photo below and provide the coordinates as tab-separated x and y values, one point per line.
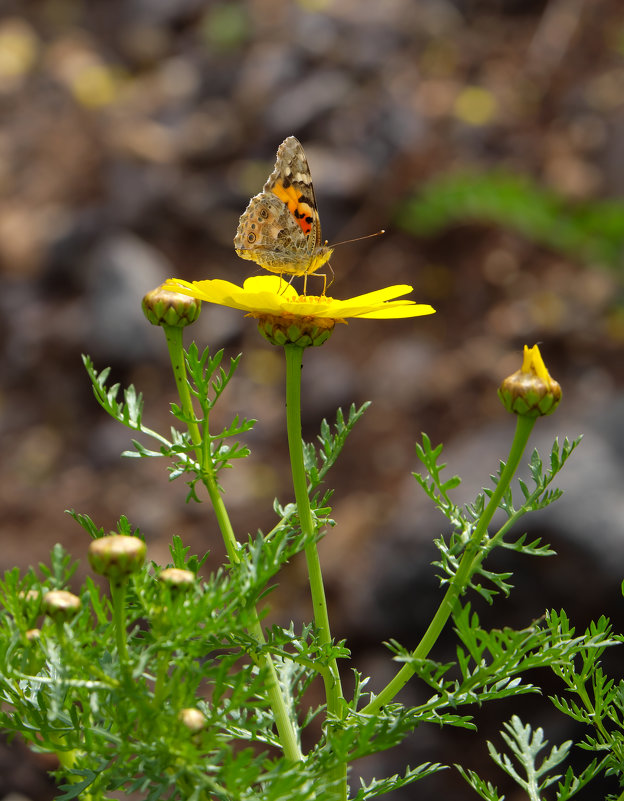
485	136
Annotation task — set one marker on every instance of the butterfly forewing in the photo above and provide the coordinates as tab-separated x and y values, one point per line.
280	228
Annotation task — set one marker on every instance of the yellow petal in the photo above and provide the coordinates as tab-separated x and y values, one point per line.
532	362
399	312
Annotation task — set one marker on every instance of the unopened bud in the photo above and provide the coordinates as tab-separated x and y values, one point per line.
30	597
176	577
61	605
163	307
117	556
192	718
33	659
530	391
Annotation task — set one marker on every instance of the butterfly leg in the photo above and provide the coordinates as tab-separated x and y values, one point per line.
333	276
290	280
282	288
316	275
323	276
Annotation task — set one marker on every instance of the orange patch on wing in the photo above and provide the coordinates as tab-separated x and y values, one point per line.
300	211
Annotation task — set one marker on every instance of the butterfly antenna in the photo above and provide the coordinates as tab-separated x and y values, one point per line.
357	238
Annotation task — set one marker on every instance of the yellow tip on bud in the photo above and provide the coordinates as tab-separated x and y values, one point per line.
530	391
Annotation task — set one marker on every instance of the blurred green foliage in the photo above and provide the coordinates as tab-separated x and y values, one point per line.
226	26
592	231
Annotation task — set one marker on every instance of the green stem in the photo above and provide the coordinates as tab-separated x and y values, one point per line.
201	443
283	722
67	760
160	682
176	354
584	696
294	356
470	561
333	687
118	598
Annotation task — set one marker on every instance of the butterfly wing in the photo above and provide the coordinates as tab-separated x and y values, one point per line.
280	228
291	182
268	235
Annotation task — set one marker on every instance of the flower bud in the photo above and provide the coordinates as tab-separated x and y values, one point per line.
192	718
163	307
177	578
61	605
32	659
530	391
31	597
289	329
117	556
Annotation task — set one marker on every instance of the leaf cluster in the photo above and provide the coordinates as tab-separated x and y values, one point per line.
463	519
191	456
68	693
119	728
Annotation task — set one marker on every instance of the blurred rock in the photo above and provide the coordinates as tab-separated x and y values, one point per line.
120	270
23	773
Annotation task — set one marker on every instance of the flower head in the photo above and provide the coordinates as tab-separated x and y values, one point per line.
530	391
299	318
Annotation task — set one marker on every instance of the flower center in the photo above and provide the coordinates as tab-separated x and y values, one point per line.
313	299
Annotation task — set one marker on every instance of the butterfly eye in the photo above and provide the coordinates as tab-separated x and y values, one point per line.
251	237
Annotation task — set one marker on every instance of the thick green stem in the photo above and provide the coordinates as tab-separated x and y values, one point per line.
118	598
201	442
333	687
308	527
468	564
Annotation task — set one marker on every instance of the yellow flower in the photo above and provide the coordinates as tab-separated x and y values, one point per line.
530	391
285	316
269	294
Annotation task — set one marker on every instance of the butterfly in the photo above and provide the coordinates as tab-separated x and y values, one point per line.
280	228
